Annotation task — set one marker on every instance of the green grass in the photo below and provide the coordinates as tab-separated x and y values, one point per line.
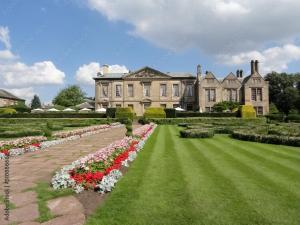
216	181
44	194
2	201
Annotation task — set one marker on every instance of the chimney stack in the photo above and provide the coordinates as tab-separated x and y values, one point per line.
256	66
238	73
199	72
105	68
241	73
252	67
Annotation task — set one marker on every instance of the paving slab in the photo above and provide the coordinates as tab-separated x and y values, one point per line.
26	213
65	205
23	198
73	219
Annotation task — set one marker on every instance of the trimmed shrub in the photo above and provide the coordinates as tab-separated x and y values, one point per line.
155	112
247	111
54	115
128	129
124	113
197	133
170	113
48	133
7	111
199	114
111	112
270	139
17	134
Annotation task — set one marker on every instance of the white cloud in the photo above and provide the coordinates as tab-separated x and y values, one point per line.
87	72
24	93
212	26
272	59
4	36
6	55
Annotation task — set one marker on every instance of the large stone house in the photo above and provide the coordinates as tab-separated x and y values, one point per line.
149	87
8	99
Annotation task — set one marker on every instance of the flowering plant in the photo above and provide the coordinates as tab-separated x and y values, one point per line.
101	170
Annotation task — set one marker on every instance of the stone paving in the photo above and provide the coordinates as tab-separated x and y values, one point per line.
30	168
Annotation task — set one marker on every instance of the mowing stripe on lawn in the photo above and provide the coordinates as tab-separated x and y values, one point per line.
260	189
216	195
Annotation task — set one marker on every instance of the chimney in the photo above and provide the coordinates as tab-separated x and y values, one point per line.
199	72
252	67
256	66
238	73
241	73
105	68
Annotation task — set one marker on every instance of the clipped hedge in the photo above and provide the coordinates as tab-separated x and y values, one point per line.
124	113
7	111
53	115
197	133
111	112
212	114
16	134
170	113
247	111
155	112
270	139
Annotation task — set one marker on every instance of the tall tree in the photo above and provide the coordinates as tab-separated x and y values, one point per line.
36	102
70	96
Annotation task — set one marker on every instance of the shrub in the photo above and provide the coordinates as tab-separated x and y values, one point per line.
7	111
49	125
54	115
247	111
155	112
20	107
170	113
199	114
48	133
23	133
111	112
273	109
224	106
197	133
128	129
124	113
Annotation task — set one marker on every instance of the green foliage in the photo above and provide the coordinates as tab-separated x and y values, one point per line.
197	133
124	113
170	113
49	125
247	111
36	102
128	129
7	111
155	112
20	133
286	100
225	106
20	107
54	115
48	133
199	114
273	109
71	96
111	112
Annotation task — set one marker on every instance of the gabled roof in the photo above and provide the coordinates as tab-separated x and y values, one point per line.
252	75
8	95
181	75
231	76
210	75
87	105
148	69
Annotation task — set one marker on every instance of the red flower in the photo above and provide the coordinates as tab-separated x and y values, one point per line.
5	151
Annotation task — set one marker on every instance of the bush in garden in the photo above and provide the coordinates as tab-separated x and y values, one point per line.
170	113
111	112
49	125
54	115
48	133
155	112
23	133
128	129
7	111
205	114
197	133
124	113
247	111
225	105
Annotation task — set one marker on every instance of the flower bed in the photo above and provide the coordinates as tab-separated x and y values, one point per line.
101	170
29	144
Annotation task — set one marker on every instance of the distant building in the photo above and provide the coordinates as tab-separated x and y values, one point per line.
8	99
149	87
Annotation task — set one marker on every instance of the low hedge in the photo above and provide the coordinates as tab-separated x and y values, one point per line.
170	113
17	134
247	111
212	114
197	133
155	112
111	112
54	115
283	118
124	113
7	111
270	139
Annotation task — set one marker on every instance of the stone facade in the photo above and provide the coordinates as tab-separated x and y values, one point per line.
149	87
8	99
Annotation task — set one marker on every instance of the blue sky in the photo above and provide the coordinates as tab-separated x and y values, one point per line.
74	33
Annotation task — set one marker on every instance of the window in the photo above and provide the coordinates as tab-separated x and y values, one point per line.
231	94
130	106
105	105
259	110
256	94
118	90
147	105
175	90
163	106
189	89
175	106
130	90
189	107
105	90
163	90
118	105
210	95
146	89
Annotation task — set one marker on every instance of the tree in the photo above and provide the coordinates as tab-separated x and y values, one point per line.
286	100
70	96
36	102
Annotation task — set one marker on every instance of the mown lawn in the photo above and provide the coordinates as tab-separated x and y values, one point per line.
206	181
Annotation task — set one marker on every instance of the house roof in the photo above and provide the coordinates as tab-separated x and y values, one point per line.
87	105
8	95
